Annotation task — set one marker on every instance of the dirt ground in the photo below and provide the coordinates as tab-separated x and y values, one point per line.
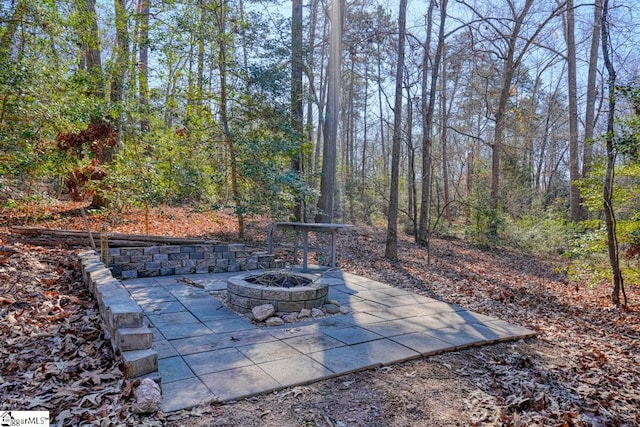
582	370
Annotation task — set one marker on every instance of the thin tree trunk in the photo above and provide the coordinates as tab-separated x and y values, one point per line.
574	161
327	183
391	249
590	102
143	66
444	114
224	116
296	99
363	174
427	139
609	214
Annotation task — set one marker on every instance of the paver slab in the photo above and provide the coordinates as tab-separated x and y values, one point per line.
184	394
173	369
240	382
216	360
296	370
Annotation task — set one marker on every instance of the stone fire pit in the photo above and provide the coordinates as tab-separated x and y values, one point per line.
285	290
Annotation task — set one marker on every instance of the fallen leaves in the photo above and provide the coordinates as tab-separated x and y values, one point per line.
54	356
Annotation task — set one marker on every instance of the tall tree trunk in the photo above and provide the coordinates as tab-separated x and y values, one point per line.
609	214
444	114
327	183
296	99
222	18
391	249
363	174
120	68
590	102
574	161
427	124
511	64
144	7
311	95
412	203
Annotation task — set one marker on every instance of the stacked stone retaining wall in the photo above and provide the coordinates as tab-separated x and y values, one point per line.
169	260
122	318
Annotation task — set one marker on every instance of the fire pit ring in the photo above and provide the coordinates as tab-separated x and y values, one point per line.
295	292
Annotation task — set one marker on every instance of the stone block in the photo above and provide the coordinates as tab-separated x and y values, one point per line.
224	263
205	262
131	251
228	255
233	267
121	259
133	266
187	249
185	270
151	250
141	258
178	256
114	252
97	275
196	255
161	257
94	265
222	248
202	269
304	295
189	263
139	362
236	247
129	274
167	271
86	254
204	248
211	255
128	339
235	300
169	249
149	272
276	294
153	265
171	264
124	315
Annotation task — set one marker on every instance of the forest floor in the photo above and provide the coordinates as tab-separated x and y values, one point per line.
582	370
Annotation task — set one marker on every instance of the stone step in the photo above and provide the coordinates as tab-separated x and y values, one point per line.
129	339
139	362
124	315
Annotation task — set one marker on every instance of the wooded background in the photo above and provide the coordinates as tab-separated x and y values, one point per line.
505	120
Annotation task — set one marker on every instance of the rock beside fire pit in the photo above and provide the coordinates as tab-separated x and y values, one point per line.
266	313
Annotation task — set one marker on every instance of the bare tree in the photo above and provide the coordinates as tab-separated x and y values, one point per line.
428	108
391	249
330	133
609	214
574	161
296	96
511	42
590	102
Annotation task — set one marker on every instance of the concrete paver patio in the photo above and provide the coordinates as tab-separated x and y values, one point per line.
207	352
